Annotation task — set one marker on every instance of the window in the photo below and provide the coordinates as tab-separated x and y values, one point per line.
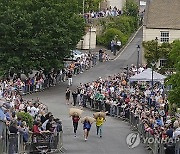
164	36
162	62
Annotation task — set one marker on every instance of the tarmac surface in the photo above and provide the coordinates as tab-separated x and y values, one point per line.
115	131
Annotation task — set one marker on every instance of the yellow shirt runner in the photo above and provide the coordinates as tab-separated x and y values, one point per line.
99	121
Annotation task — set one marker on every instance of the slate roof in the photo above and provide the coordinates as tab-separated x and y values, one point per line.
162	14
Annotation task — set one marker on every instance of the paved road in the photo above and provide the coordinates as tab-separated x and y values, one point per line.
114	130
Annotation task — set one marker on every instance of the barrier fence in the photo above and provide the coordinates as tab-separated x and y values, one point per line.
11	143
3	138
151	142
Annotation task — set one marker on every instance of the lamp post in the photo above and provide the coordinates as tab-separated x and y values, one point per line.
115	44
152	64
138	50
156	39
90	29
163	92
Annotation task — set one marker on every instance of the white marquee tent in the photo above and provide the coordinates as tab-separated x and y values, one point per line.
146	75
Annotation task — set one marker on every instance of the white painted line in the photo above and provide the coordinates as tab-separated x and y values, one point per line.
127	44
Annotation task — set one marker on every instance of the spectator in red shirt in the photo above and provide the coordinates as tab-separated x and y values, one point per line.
36	127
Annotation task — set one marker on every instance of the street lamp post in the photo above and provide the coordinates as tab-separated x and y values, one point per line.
115	44
138	50
156	39
152	64
163	92
90	29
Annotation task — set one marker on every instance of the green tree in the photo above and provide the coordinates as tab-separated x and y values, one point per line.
89	5
175	54
109	35
126	24
154	51
26	117
38	33
131	8
174	80
151	51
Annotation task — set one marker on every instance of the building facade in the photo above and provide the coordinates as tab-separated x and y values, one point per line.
113	3
161	21
88	41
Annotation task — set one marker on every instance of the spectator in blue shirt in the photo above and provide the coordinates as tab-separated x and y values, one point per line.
2	115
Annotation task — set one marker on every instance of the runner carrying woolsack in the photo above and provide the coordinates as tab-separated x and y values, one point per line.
99	123
86	127
75	119
87	121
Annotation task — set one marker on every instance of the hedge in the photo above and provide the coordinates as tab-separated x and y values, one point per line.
27	118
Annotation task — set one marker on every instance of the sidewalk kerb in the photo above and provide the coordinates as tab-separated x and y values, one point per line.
127	44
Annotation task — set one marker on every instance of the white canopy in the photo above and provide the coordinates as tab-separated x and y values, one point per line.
146	75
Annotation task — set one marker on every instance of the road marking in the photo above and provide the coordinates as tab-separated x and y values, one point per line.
127	44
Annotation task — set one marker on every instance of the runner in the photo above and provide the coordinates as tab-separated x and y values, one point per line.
99	122
68	92
86	127
75	120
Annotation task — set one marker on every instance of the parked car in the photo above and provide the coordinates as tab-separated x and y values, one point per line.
76	54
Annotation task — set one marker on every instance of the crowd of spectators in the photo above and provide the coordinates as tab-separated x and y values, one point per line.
104	13
117	96
41	80
12	104
86	62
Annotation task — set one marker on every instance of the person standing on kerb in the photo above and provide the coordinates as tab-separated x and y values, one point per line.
74	95
67	95
100	55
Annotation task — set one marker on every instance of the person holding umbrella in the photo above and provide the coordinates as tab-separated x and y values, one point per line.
75	119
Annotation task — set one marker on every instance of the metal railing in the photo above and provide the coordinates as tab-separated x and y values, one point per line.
3	138
11	143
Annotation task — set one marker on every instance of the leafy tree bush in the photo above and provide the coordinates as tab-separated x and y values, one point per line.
174	79
131	8
89	5
172	53
27	118
126	24
123	26
38	33
110	34
153	51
